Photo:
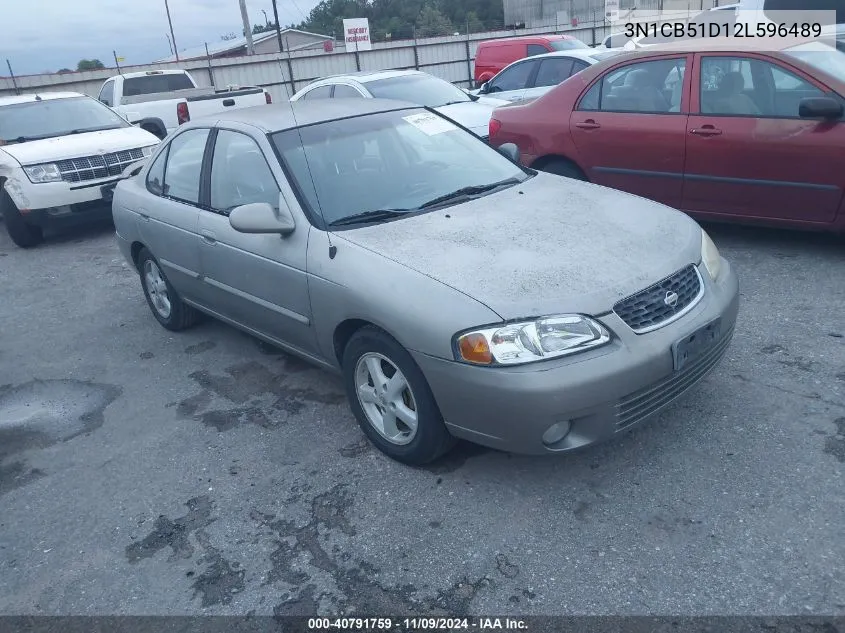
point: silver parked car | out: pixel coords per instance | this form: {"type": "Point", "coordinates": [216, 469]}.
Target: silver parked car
{"type": "Point", "coordinates": [532, 77]}
{"type": "Point", "coordinates": [459, 294]}
{"type": "Point", "coordinates": [471, 111]}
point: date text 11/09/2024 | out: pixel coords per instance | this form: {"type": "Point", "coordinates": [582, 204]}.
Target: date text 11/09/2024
{"type": "Point", "coordinates": [416, 624]}
{"type": "Point", "coordinates": [692, 30]}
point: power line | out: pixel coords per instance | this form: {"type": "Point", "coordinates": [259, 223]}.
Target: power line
{"type": "Point", "coordinates": [301, 12]}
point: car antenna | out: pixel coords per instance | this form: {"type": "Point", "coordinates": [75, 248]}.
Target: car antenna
{"type": "Point", "coordinates": [332, 247]}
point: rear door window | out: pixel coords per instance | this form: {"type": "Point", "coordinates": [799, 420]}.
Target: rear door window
{"type": "Point", "coordinates": [184, 166]}
{"type": "Point", "coordinates": [553, 70]}
{"type": "Point", "coordinates": [536, 49]}
{"type": "Point", "coordinates": [323, 92]}
{"type": "Point", "coordinates": [647, 87]}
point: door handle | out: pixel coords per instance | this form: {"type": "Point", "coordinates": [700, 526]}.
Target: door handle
{"type": "Point", "coordinates": [589, 124]}
{"type": "Point", "coordinates": [228, 102]}
{"type": "Point", "coordinates": [706, 130]}
{"type": "Point", "coordinates": [208, 237]}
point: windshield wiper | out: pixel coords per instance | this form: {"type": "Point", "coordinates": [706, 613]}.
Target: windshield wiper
{"type": "Point", "coordinates": [370, 216]}
{"type": "Point", "coordinates": [468, 192]}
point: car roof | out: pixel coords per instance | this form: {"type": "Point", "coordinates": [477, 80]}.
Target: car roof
{"type": "Point", "coordinates": [290, 115]}
{"type": "Point", "coordinates": [44, 96]}
{"type": "Point", "coordinates": [586, 54]}
{"type": "Point", "coordinates": [525, 38]}
{"type": "Point", "coordinates": [366, 76]}
{"type": "Point", "coordinates": [715, 45]}
{"type": "Point", "coordinates": [152, 73]}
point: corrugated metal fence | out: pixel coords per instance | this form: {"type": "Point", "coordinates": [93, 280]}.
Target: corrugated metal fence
{"type": "Point", "coordinates": [282, 74]}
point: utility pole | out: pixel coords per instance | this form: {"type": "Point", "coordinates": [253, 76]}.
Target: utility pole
{"type": "Point", "coordinates": [250, 47]}
{"type": "Point", "coordinates": [172, 36]}
{"type": "Point", "coordinates": [278, 28]}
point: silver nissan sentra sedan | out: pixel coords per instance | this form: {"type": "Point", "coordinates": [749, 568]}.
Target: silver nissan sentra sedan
{"type": "Point", "coordinates": [459, 294]}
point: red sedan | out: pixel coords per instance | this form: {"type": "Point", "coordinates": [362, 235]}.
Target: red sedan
{"type": "Point", "coordinates": [734, 135]}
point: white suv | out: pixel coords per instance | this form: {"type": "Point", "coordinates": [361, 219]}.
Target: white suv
{"type": "Point", "coordinates": [61, 155]}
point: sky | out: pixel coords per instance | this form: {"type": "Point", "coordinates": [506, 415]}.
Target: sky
{"type": "Point", "coordinates": [46, 35]}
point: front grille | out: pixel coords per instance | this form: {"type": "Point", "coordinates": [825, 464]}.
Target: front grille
{"type": "Point", "coordinates": [649, 308]}
{"type": "Point", "coordinates": [645, 402]}
{"type": "Point", "coordinates": [96, 167]}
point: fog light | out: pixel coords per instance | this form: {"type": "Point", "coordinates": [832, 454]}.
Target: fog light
{"type": "Point", "coordinates": [556, 432]}
{"type": "Point", "coordinates": [63, 210]}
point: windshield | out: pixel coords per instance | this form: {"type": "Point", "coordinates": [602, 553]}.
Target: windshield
{"type": "Point", "coordinates": [821, 57]}
{"type": "Point", "coordinates": [422, 89]}
{"type": "Point", "coordinates": [568, 44]}
{"type": "Point", "coordinates": [21, 122]}
{"type": "Point", "coordinates": [390, 160]}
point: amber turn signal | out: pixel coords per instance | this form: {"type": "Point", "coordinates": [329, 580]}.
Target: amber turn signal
{"type": "Point", "coordinates": [474, 349]}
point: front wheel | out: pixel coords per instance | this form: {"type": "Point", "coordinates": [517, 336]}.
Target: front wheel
{"type": "Point", "coordinates": [165, 303]}
{"type": "Point", "coordinates": [564, 168]}
{"type": "Point", "coordinates": [23, 234]}
{"type": "Point", "coordinates": [391, 399]}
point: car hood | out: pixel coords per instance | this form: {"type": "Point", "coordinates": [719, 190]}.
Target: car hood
{"type": "Point", "coordinates": [550, 245]}
{"type": "Point", "coordinates": [474, 115]}
{"type": "Point", "coordinates": [79, 145]}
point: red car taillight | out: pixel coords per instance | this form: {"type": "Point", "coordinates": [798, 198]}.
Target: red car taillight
{"type": "Point", "coordinates": [268, 98]}
{"type": "Point", "coordinates": [182, 114]}
{"type": "Point", "coordinates": [495, 126]}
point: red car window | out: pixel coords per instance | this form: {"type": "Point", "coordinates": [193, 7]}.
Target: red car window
{"type": "Point", "coordinates": [645, 87]}
{"type": "Point", "coordinates": [745, 86]}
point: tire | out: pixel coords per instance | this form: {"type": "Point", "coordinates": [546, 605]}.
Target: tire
{"type": "Point", "coordinates": [166, 305]}
{"type": "Point", "coordinates": [564, 168]}
{"type": "Point", "coordinates": [430, 440]}
{"type": "Point", "coordinates": [23, 234]}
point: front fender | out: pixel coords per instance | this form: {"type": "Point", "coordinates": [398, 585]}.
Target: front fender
{"type": "Point", "coordinates": [421, 313]}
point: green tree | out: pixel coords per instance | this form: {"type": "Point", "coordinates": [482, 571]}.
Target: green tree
{"type": "Point", "coordinates": [226, 37]}
{"type": "Point", "coordinates": [395, 19]}
{"type": "Point", "coordinates": [89, 64]}
{"type": "Point", "coordinates": [64, 71]}
{"type": "Point", "coordinates": [432, 23]}
{"type": "Point", "coordinates": [474, 23]}
{"type": "Point", "coordinates": [263, 28]}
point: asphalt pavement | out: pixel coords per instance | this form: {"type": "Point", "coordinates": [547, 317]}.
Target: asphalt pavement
{"type": "Point", "coordinates": [147, 472]}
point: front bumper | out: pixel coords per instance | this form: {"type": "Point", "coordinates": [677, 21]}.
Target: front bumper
{"type": "Point", "coordinates": [40, 202]}
{"type": "Point", "coordinates": [598, 393]}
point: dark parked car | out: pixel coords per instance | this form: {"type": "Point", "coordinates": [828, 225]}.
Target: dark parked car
{"type": "Point", "coordinates": [739, 134]}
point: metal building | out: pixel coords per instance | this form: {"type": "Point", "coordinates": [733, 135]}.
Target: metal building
{"type": "Point", "coordinates": [551, 13]}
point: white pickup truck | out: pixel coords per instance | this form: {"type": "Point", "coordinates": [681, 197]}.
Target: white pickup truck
{"type": "Point", "coordinates": [161, 100]}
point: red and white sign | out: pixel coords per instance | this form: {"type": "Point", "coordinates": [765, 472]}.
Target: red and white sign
{"type": "Point", "coordinates": [356, 32]}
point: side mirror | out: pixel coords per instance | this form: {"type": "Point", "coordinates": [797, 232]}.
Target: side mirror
{"type": "Point", "coordinates": [484, 88]}
{"type": "Point", "coordinates": [510, 150]}
{"type": "Point", "coordinates": [820, 108]}
{"type": "Point", "coordinates": [261, 217]}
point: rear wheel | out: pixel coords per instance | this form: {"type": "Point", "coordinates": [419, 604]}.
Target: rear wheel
{"type": "Point", "coordinates": [168, 308]}
{"type": "Point", "coordinates": [562, 167]}
{"type": "Point", "coordinates": [22, 233]}
{"type": "Point", "coordinates": [391, 399]}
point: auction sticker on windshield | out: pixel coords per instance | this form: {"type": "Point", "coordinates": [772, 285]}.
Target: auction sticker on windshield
{"type": "Point", "coordinates": [430, 124]}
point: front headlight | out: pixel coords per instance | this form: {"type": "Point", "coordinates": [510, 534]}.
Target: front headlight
{"type": "Point", "coordinates": [530, 341]}
{"type": "Point", "coordinates": [148, 151]}
{"type": "Point", "coordinates": [48, 172]}
{"type": "Point", "coordinates": [710, 256]}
